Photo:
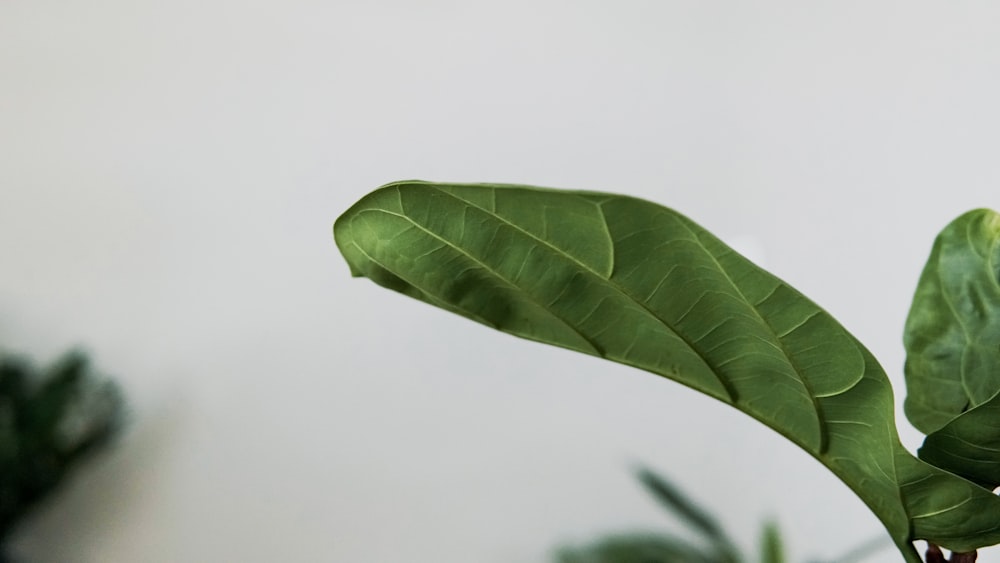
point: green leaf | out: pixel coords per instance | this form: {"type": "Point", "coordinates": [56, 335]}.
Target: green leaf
{"type": "Point", "coordinates": [633, 282]}
{"type": "Point", "coordinates": [698, 518]}
{"type": "Point", "coordinates": [771, 548]}
{"type": "Point", "coordinates": [969, 445]}
{"type": "Point", "coordinates": [952, 333]}
{"type": "Point", "coordinates": [952, 343]}
{"type": "Point", "coordinates": [644, 547]}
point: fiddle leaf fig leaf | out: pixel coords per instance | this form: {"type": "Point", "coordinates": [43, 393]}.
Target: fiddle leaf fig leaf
{"type": "Point", "coordinates": [636, 283]}
{"type": "Point", "coordinates": [952, 343]}
{"type": "Point", "coordinates": [969, 445]}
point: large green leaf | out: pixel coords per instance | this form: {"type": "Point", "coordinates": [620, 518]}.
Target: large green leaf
{"type": "Point", "coordinates": [953, 329]}
{"type": "Point", "coordinates": [633, 282]}
{"type": "Point", "coordinates": [952, 343]}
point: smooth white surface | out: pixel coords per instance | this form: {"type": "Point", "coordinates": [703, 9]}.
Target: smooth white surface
{"type": "Point", "coordinates": [169, 173]}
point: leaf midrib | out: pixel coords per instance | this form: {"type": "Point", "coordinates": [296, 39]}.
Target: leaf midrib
{"type": "Point", "coordinates": [823, 437]}
{"type": "Point", "coordinates": [596, 349]}
{"type": "Point", "coordinates": [726, 386]}
{"type": "Point", "coordinates": [730, 392]}
{"type": "Point", "coordinates": [820, 417]}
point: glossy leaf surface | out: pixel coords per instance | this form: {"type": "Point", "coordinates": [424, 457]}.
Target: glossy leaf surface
{"type": "Point", "coordinates": [633, 282]}
{"type": "Point", "coordinates": [953, 350]}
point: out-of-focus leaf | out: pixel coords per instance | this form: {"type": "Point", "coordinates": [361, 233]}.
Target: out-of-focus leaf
{"type": "Point", "coordinates": [633, 282]}
{"type": "Point", "coordinates": [698, 518]}
{"type": "Point", "coordinates": [638, 548]}
{"type": "Point", "coordinates": [772, 549]}
{"type": "Point", "coordinates": [50, 420]}
{"type": "Point", "coordinates": [712, 545]}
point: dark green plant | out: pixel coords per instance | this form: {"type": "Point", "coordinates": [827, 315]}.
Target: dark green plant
{"type": "Point", "coordinates": [630, 281]}
{"type": "Point", "coordinates": [51, 419]}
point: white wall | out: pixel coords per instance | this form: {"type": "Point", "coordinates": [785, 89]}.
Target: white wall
{"type": "Point", "coordinates": [169, 173]}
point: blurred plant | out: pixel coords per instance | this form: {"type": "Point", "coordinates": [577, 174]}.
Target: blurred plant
{"type": "Point", "coordinates": [710, 544]}
{"type": "Point", "coordinates": [50, 420]}
{"type": "Point", "coordinates": [637, 283]}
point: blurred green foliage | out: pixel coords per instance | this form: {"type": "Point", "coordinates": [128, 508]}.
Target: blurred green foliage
{"type": "Point", "coordinates": [706, 542]}
{"type": "Point", "coordinates": [51, 419]}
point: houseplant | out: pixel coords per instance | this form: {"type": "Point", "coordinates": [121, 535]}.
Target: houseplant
{"type": "Point", "coordinates": [706, 541]}
{"type": "Point", "coordinates": [52, 419]}
{"type": "Point", "coordinates": [636, 283]}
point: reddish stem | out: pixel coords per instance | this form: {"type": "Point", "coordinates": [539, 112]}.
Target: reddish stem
{"type": "Point", "coordinates": [934, 555]}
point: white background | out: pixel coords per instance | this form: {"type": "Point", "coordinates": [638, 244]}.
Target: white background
{"type": "Point", "coordinates": [169, 173]}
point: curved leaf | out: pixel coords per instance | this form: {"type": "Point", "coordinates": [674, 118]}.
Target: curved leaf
{"type": "Point", "coordinates": [969, 445]}
{"type": "Point", "coordinates": [952, 343]}
{"type": "Point", "coordinates": [952, 333]}
{"type": "Point", "coordinates": [636, 283]}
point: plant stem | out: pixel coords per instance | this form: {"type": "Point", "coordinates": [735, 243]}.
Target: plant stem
{"type": "Point", "coordinates": [934, 555]}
